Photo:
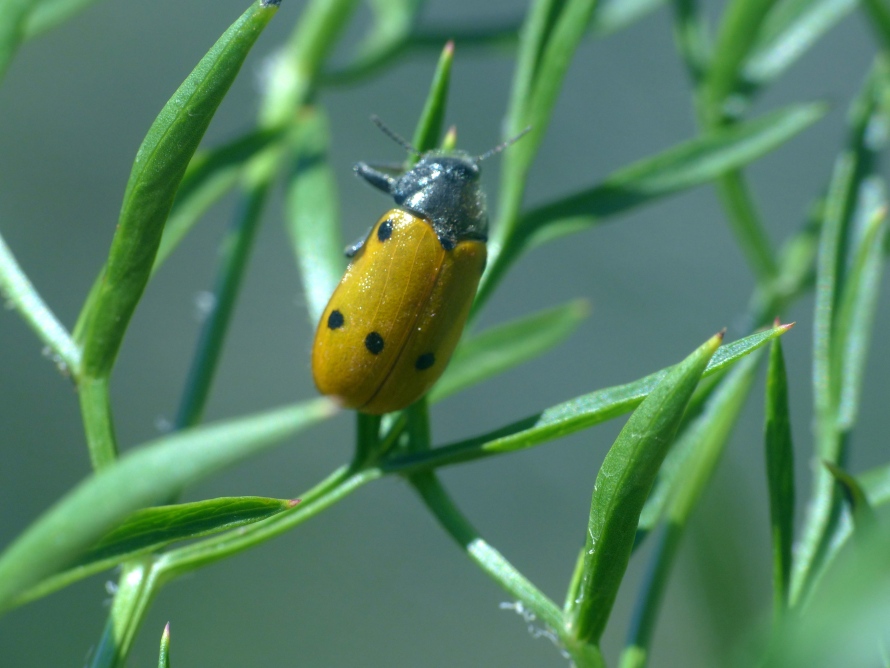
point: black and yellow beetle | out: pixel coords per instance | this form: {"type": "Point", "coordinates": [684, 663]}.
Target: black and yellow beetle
{"type": "Point", "coordinates": [394, 320]}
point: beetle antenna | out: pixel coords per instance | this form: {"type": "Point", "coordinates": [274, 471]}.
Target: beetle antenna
{"type": "Point", "coordinates": [500, 147]}
{"type": "Point", "coordinates": [398, 139]}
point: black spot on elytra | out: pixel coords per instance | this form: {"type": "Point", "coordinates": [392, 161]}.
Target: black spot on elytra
{"type": "Point", "coordinates": [384, 232]}
{"type": "Point", "coordinates": [425, 361]}
{"type": "Point", "coordinates": [374, 343]}
{"type": "Point", "coordinates": [335, 320]}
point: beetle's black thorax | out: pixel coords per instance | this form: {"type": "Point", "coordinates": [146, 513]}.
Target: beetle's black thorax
{"type": "Point", "coordinates": [445, 190]}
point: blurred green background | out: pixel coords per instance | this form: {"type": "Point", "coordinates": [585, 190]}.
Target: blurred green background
{"type": "Point", "coordinates": [373, 581]}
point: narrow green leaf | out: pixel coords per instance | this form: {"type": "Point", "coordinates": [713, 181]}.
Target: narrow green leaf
{"type": "Point", "coordinates": [779, 475]}
{"type": "Point", "coordinates": [535, 31]}
{"type": "Point", "coordinates": [157, 171]}
{"type": "Point", "coordinates": [736, 36]}
{"type": "Point", "coordinates": [852, 168]}
{"type": "Point", "coordinates": [500, 348]}
{"type": "Point", "coordinates": [432, 118]}
{"type": "Point", "coordinates": [392, 34]}
{"type": "Point", "coordinates": [787, 33]}
{"type": "Point", "coordinates": [564, 27]}
{"type": "Point", "coordinates": [13, 14]}
{"type": "Point", "coordinates": [145, 476]}
{"type": "Point", "coordinates": [856, 310]}
{"type": "Point", "coordinates": [705, 440]}
{"type": "Point", "coordinates": [164, 655]}
{"type": "Point", "coordinates": [550, 35]}
{"type": "Point", "coordinates": [621, 488]}
{"type": "Point", "coordinates": [334, 488]}
{"type": "Point", "coordinates": [312, 215]}
{"type": "Point", "coordinates": [210, 175]}
{"type": "Point", "coordinates": [151, 529]}
{"type": "Point", "coordinates": [690, 164]}
{"type": "Point", "coordinates": [571, 416]}
{"type": "Point", "coordinates": [671, 473]}
{"type": "Point", "coordinates": [863, 514]}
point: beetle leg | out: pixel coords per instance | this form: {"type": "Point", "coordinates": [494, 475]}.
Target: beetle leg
{"type": "Point", "coordinates": [352, 250]}
{"type": "Point", "coordinates": [375, 177]}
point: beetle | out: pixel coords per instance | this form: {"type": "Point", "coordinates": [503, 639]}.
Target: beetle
{"type": "Point", "coordinates": [393, 322]}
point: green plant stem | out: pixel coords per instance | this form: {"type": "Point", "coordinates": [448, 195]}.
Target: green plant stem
{"type": "Point", "coordinates": [140, 582]}
{"type": "Point", "coordinates": [636, 654]}
{"type": "Point", "coordinates": [232, 266]}
{"type": "Point", "coordinates": [291, 83]}
{"type": "Point", "coordinates": [486, 557]}
{"type": "Point", "coordinates": [367, 442]}
{"type": "Point", "coordinates": [465, 535]}
{"type": "Point", "coordinates": [691, 39]}
{"type": "Point", "coordinates": [739, 29]}
{"type": "Point", "coordinates": [95, 408]}
{"type": "Point", "coordinates": [136, 589]}
{"type": "Point", "coordinates": [714, 81]}
{"type": "Point", "coordinates": [20, 294]}
{"type": "Point", "coordinates": [747, 226]}
{"type": "Point", "coordinates": [879, 18]}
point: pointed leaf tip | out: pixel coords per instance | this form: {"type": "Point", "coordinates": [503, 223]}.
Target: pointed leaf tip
{"type": "Point", "coordinates": [164, 655]}
{"type": "Point", "coordinates": [449, 48]}
{"type": "Point", "coordinates": [293, 503]}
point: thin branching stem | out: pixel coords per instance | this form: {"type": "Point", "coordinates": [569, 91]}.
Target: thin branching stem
{"type": "Point", "coordinates": [21, 295]}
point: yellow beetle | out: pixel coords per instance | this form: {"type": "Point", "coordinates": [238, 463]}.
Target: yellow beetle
{"type": "Point", "coordinates": [394, 320]}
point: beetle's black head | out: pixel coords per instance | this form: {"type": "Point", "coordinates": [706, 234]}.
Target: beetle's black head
{"type": "Point", "coordinates": [445, 189]}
